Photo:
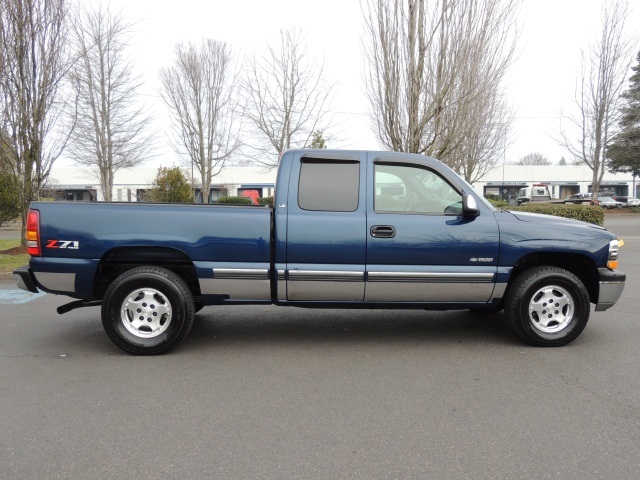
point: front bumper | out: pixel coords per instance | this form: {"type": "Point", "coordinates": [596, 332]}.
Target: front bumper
{"type": "Point", "coordinates": [24, 279]}
{"type": "Point", "coordinates": [611, 286]}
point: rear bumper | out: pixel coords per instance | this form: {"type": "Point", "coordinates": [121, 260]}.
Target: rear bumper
{"type": "Point", "coordinates": [611, 286]}
{"type": "Point", "coordinates": [24, 279]}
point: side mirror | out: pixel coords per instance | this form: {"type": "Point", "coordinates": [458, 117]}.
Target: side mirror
{"type": "Point", "coordinates": [469, 206]}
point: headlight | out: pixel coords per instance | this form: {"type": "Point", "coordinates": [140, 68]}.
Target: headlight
{"type": "Point", "coordinates": [614, 246]}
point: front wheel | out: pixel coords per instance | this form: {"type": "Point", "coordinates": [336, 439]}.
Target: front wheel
{"type": "Point", "coordinates": [547, 306]}
{"type": "Point", "coordinates": [147, 310]}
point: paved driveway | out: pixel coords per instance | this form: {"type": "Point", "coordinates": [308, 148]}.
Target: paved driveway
{"type": "Point", "coordinates": [267, 392]}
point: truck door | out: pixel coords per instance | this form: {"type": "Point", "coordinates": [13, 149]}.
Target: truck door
{"type": "Point", "coordinates": [326, 228]}
{"type": "Point", "coordinates": [419, 247]}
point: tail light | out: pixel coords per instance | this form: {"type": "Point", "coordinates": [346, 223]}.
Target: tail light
{"type": "Point", "coordinates": [33, 233]}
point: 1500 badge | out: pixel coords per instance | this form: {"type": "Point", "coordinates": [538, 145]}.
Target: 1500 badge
{"type": "Point", "coordinates": [70, 244]}
{"type": "Point", "coordinates": [481, 259]}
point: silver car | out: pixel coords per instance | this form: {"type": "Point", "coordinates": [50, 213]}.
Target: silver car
{"type": "Point", "coordinates": [633, 202]}
{"type": "Point", "coordinates": [608, 202]}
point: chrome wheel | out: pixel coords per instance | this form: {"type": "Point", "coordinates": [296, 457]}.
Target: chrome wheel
{"type": "Point", "coordinates": [547, 306]}
{"type": "Point", "coordinates": [146, 313]}
{"type": "Point", "coordinates": [551, 309]}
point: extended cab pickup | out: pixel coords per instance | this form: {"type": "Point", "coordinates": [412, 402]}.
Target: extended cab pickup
{"type": "Point", "coordinates": [348, 229]}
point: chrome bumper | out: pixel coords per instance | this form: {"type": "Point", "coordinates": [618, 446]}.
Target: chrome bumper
{"type": "Point", "coordinates": [611, 286]}
{"type": "Point", "coordinates": [24, 280]}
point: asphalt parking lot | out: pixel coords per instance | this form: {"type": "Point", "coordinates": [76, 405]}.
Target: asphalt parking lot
{"type": "Point", "coordinates": [268, 392]}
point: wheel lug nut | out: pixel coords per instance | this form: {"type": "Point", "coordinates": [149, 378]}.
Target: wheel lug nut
{"type": "Point", "coordinates": [139, 310]}
{"type": "Point", "coordinates": [141, 317]}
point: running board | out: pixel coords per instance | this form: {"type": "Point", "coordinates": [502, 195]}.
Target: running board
{"type": "Point", "coordinates": [78, 304]}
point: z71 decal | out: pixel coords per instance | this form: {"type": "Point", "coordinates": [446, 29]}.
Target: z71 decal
{"type": "Point", "coordinates": [69, 244]}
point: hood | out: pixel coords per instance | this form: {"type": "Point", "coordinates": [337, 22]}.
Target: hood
{"type": "Point", "coordinates": [552, 220]}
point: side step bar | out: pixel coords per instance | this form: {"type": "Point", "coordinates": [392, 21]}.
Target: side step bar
{"type": "Point", "coordinates": [78, 304]}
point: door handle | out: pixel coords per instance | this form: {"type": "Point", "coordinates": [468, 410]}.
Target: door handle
{"type": "Point", "coordinates": [383, 231]}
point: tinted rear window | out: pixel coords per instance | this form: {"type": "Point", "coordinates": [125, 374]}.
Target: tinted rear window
{"type": "Point", "coordinates": [329, 185]}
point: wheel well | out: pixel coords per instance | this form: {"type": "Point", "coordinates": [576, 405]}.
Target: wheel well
{"type": "Point", "coordinates": [581, 266]}
{"type": "Point", "coordinates": [119, 260]}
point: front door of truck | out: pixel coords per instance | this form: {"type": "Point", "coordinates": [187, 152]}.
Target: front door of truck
{"type": "Point", "coordinates": [419, 247]}
{"type": "Point", "coordinates": [326, 229]}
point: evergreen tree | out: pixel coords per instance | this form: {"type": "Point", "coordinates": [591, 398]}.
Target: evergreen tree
{"type": "Point", "coordinates": [318, 140]}
{"type": "Point", "coordinates": [9, 188]}
{"type": "Point", "coordinates": [170, 185]}
{"type": "Point", "coordinates": [624, 151]}
{"type": "Point", "coordinates": [9, 197]}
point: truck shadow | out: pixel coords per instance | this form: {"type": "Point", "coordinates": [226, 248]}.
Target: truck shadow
{"type": "Point", "coordinates": [258, 325]}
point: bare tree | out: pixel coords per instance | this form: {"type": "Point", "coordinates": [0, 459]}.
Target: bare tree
{"type": "Point", "coordinates": [435, 74]}
{"type": "Point", "coordinates": [33, 40]}
{"type": "Point", "coordinates": [200, 90]}
{"type": "Point", "coordinates": [534, 158]}
{"type": "Point", "coordinates": [603, 71]}
{"type": "Point", "coordinates": [287, 100]}
{"type": "Point", "coordinates": [112, 129]}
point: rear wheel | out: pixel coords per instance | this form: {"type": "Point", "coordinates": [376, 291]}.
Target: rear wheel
{"type": "Point", "coordinates": [547, 306]}
{"type": "Point", "coordinates": [147, 310]}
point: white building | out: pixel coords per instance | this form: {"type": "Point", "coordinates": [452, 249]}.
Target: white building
{"type": "Point", "coordinates": [68, 183]}
{"type": "Point", "coordinates": [563, 181]}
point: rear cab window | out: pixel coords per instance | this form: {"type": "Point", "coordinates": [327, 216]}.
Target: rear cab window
{"type": "Point", "coordinates": [328, 185]}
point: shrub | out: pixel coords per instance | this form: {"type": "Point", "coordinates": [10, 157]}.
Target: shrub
{"type": "Point", "coordinates": [586, 213]}
{"type": "Point", "coordinates": [266, 201]}
{"type": "Point", "coordinates": [234, 200]}
{"type": "Point", "coordinates": [498, 203]}
{"type": "Point", "coordinates": [170, 185]}
{"type": "Point", "coordinates": [9, 198]}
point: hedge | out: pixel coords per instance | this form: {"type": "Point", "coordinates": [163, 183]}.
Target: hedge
{"type": "Point", "coordinates": [244, 201]}
{"type": "Point", "coordinates": [234, 200]}
{"type": "Point", "coordinates": [586, 213]}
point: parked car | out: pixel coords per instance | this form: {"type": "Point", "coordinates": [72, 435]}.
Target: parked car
{"type": "Point", "coordinates": [581, 199]}
{"type": "Point", "coordinates": [633, 202]}
{"type": "Point", "coordinates": [609, 203]}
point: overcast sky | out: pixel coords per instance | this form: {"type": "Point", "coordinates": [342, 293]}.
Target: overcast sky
{"type": "Point", "coordinates": [540, 84]}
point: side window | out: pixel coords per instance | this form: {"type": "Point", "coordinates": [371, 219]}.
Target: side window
{"type": "Point", "coordinates": [411, 189]}
{"type": "Point", "coordinates": [329, 185]}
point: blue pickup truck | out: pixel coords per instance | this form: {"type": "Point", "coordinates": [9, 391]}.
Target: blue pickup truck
{"type": "Point", "coordinates": [348, 229]}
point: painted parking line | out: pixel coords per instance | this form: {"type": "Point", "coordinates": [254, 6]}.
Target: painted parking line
{"type": "Point", "coordinates": [17, 296]}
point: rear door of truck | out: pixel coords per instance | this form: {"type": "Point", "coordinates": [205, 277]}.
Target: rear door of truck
{"type": "Point", "coordinates": [326, 227]}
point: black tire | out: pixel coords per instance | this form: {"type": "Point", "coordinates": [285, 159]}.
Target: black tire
{"type": "Point", "coordinates": [540, 322]}
{"type": "Point", "coordinates": [162, 304]}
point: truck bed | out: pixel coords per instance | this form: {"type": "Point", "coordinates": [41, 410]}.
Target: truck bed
{"type": "Point", "coordinates": [211, 236]}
